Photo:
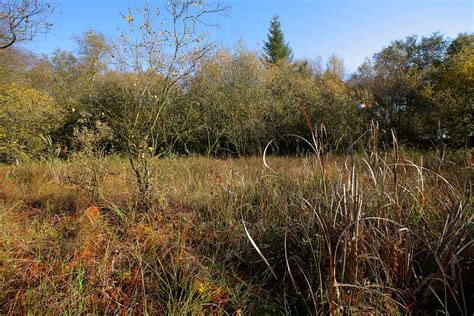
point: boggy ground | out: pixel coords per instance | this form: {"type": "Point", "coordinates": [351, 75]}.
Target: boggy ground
{"type": "Point", "coordinates": [388, 233]}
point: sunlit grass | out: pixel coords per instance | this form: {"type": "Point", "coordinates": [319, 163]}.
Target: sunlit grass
{"type": "Point", "coordinates": [389, 233]}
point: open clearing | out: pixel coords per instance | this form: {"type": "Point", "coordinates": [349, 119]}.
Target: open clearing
{"type": "Point", "coordinates": [386, 233]}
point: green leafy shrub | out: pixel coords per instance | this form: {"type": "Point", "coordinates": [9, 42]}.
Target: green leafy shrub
{"type": "Point", "coordinates": [27, 117]}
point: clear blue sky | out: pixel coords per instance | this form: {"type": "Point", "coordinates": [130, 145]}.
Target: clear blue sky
{"type": "Point", "coordinates": [352, 29]}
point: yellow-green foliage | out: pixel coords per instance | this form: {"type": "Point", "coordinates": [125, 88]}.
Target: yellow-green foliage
{"type": "Point", "coordinates": [27, 117]}
{"type": "Point", "coordinates": [239, 103]}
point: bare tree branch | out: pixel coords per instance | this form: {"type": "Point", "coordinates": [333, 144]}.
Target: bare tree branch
{"type": "Point", "coordinates": [22, 20]}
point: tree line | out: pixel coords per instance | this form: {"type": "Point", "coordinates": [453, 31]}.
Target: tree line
{"type": "Point", "coordinates": [137, 98]}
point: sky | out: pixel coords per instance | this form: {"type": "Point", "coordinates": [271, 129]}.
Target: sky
{"type": "Point", "coordinates": [351, 29]}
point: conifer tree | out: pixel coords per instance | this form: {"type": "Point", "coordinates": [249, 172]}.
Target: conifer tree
{"type": "Point", "coordinates": [276, 50]}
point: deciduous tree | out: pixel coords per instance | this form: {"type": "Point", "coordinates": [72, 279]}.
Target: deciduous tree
{"type": "Point", "coordinates": [157, 47]}
{"type": "Point", "coordinates": [22, 20]}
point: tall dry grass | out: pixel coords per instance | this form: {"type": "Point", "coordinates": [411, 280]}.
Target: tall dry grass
{"type": "Point", "coordinates": [368, 232]}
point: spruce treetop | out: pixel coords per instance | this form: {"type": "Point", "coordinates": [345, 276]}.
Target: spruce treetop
{"type": "Point", "coordinates": [276, 50]}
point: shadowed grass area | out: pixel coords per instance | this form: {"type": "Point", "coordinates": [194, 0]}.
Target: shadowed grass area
{"type": "Point", "coordinates": [387, 233]}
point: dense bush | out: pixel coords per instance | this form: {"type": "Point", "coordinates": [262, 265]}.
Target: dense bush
{"type": "Point", "coordinates": [27, 119]}
{"type": "Point", "coordinates": [422, 87]}
{"type": "Point", "coordinates": [235, 102]}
